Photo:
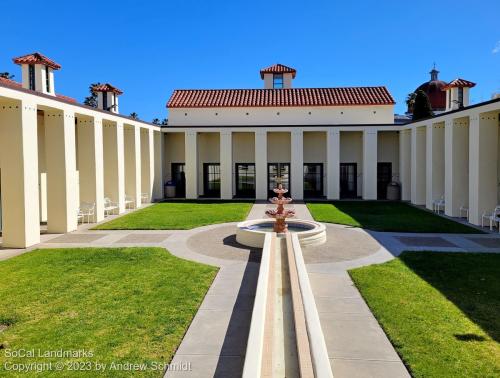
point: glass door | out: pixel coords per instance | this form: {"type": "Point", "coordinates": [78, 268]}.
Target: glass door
{"type": "Point", "coordinates": [245, 180]}
{"type": "Point", "coordinates": [179, 179]}
{"type": "Point", "coordinates": [313, 180]}
{"type": "Point", "coordinates": [384, 177]}
{"type": "Point", "coordinates": [348, 180]}
{"type": "Point", "coordinates": [275, 170]}
{"type": "Point", "coordinates": [211, 179]}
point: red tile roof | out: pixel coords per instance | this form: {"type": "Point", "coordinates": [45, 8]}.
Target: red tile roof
{"type": "Point", "coordinates": [36, 58]}
{"type": "Point", "coordinates": [106, 88]}
{"type": "Point", "coordinates": [278, 68]}
{"type": "Point", "coordinates": [9, 82]}
{"type": "Point", "coordinates": [213, 98]}
{"type": "Point", "coordinates": [66, 98]}
{"type": "Point", "coordinates": [459, 83]}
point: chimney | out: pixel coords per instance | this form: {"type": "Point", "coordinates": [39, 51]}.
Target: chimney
{"type": "Point", "coordinates": [38, 72]}
{"type": "Point", "coordinates": [107, 97]}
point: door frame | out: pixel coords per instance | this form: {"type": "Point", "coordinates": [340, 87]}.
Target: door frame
{"type": "Point", "coordinates": [384, 163]}
{"type": "Point", "coordinates": [206, 192]}
{"type": "Point", "coordinates": [250, 194]}
{"type": "Point", "coordinates": [172, 165]}
{"type": "Point", "coordinates": [270, 192]}
{"type": "Point", "coordinates": [315, 194]}
{"type": "Point", "coordinates": [350, 194]}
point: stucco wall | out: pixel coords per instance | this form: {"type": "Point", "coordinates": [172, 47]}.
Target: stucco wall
{"type": "Point", "coordinates": [173, 150]}
{"type": "Point", "coordinates": [351, 151]}
{"type": "Point", "coordinates": [314, 147]}
{"type": "Point", "coordinates": [388, 149]}
{"type": "Point", "coordinates": [278, 147]}
{"type": "Point", "coordinates": [323, 115]}
{"type": "Point", "coordinates": [208, 152]}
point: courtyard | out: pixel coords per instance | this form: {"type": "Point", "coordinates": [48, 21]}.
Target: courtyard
{"type": "Point", "coordinates": [186, 290]}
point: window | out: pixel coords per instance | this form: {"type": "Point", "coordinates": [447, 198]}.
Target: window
{"type": "Point", "coordinates": [245, 180]}
{"type": "Point", "coordinates": [278, 81]}
{"type": "Point", "coordinates": [211, 173]}
{"type": "Point", "coordinates": [31, 76]}
{"type": "Point", "coordinates": [313, 179]}
{"type": "Point", "coordinates": [460, 97]}
{"type": "Point", "coordinates": [105, 100]}
{"type": "Point", "coordinates": [47, 79]}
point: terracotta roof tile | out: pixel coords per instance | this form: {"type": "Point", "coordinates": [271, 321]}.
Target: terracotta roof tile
{"type": "Point", "coordinates": [214, 98]}
{"type": "Point", "coordinates": [278, 68]}
{"type": "Point", "coordinates": [106, 88]}
{"type": "Point", "coordinates": [66, 98]}
{"type": "Point", "coordinates": [9, 82]}
{"type": "Point", "coordinates": [459, 83]}
{"type": "Point", "coordinates": [36, 58]}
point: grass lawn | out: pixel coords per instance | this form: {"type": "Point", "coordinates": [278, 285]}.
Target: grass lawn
{"type": "Point", "coordinates": [440, 310]}
{"type": "Point", "coordinates": [180, 216]}
{"type": "Point", "coordinates": [385, 216]}
{"type": "Point", "coordinates": [122, 304]}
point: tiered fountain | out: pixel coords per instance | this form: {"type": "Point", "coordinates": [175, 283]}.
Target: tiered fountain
{"type": "Point", "coordinates": [253, 232]}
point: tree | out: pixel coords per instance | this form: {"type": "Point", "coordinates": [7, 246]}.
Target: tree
{"type": "Point", "coordinates": [156, 121]}
{"type": "Point", "coordinates": [410, 101]}
{"type": "Point", "coordinates": [164, 122]}
{"type": "Point", "coordinates": [92, 99]}
{"type": "Point", "coordinates": [422, 106]}
{"type": "Point", "coordinates": [6, 75]}
{"type": "Point", "coordinates": [134, 115]}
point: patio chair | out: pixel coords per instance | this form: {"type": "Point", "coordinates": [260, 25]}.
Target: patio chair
{"type": "Point", "coordinates": [109, 206]}
{"type": "Point", "coordinates": [79, 216]}
{"type": "Point", "coordinates": [87, 210]}
{"type": "Point", "coordinates": [464, 209]}
{"type": "Point", "coordinates": [129, 202]}
{"type": "Point", "coordinates": [144, 197]}
{"type": "Point", "coordinates": [437, 205]}
{"type": "Point", "coordinates": [493, 217]}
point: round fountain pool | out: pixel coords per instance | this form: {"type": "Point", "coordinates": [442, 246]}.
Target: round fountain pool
{"type": "Point", "coordinates": [253, 232]}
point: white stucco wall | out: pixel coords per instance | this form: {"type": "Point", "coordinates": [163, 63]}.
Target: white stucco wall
{"type": "Point", "coordinates": [174, 152]}
{"type": "Point", "coordinates": [322, 115]}
{"type": "Point", "coordinates": [208, 152]}
{"type": "Point", "coordinates": [278, 147]}
{"type": "Point", "coordinates": [388, 149]}
{"type": "Point", "coordinates": [351, 151]}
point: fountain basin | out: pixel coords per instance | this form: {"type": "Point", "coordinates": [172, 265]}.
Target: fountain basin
{"type": "Point", "coordinates": [253, 232]}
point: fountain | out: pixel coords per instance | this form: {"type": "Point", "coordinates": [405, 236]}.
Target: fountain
{"type": "Point", "coordinates": [252, 232]}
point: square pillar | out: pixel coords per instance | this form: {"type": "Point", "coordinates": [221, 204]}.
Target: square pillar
{"type": "Point", "coordinates": [226, 165]}
{"type": "Point", "coordinates": [405, 164]}
{"type": "Point", "coordinates": [370, 164]}
{"type": "Point", "coordinates": [418, 186]}
{"type": "Point", "coordinates": [456, 150]}
{"type": "Point", "coordinates": [133, 163]}
{"type": "Point", "coordinates": [297, 164]}
{"type": "Point", "coordinates": [261, 165]}
{"type": "Point", "coordinates": [434, 168]}
{"type": "Point", "coordinates": [333, 164]}
{"type": "Point", "coordinates": [60, 158]}
{"type": "Point", "coordinates": [114, 164]}
{"type": "Point", "coordinates": [158, 159]}
{"type": "Point", "coordinates": [19, 170]}
{"type": "Point", "coordinates": [483, 165]}
{"type": "Point", "coordinates": [191, 164]}
{"type": "Point", "coordinates": [147, 161]}
{"type": "Point", "coordinates": [91, 165]}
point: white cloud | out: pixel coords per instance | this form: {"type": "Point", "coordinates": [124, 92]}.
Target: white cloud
{"type": "Point", "coordinates": [496, 49]}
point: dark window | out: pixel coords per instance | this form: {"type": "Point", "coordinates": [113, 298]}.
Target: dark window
{"type": "Point", "coordinates": [460, 97]}
{"type": "Point", "coordinates": [277, 171]}
{"type": "Point", "coordinates": [31, 76]}
{"type": "Point", "coordinates": [313, 180]}
{"type": "Point", "coordinates": [211, 179]}
{"type": "Point", "coordinates": [245, 180]}
{"type": "Point", "coordinates": [47, 79]}
{"type": "Point", "coordinates": [278, 81]}
{"type": "Point", "coordinates": [348, 180]}
{"type": "Point", "coordinates": [114, 101]}
{"type": "Point", "coordinates": [384, 177]}
{"type": "Point", "coordinates": [105, 100]}
{"type": "Point", "coordinates": [179, 179]}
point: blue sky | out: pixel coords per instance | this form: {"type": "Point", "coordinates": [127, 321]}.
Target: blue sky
{"type": "Point", "coordinates": [149, 48]}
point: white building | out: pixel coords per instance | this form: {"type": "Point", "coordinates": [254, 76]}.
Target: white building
{"type": "Point", "coordinates": [327, 143]}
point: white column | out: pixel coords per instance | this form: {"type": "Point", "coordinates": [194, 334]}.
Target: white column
{"type": "Point", "coordinates": [60, 152]}
{"type": "Point", "coordinates": [261, 164]}
{"type": "Point", "coordinates": [370, 164]}
{"type": "Point", "coordinates": [226, 165]}
{"type": "Point", "coordinates": [114, 164]}
{"type": "Point", "coordinates": [91, 165]}
{"type": "Point", "coordinates": [133, 163]}
{"type": "Point", "coordinates": [333, 163]}
{"type": "Point", "coordinates": [297, 164]}
{"type": "Point", "coordinates": [191, 167]}
{"type": "Point", "coordinates": [418, 165]}
{"type": "Point", "coordinates": [483, 165]}
{"type": "Point", "coordinates": [19, 149]}
{"type": "Point", "coordinates": [158, 166]}
{"type": "Point", "coordinates": [405, 164]}
{"type": "Point", "coordinates": [434, 168]}
{"type": "Point", "coordinates": [148, 164]}
{"type": "Point", "coordinates": [457, 165]}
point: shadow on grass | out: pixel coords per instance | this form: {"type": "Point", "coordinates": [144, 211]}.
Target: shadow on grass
{"type": "Point", "coordinates": [470, 281]}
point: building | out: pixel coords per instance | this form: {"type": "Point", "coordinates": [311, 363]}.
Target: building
{"type": "Point", "coordinates": [326, 143]}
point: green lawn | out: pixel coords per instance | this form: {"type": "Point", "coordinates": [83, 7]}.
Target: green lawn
{"type": "Point", "coordinates": [385, 216]}
{"type": "Point", "coordinates": [180, 216]}
{"type": "Point", "coordinates": [122, 304]}
{"type": "Point", "coordinates": [440, 310]}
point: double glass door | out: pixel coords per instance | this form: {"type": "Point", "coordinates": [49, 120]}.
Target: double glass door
{"type": "Point", "coordinates": [211, 180]}
{"type": "Point", "coordinates": [245, 180]}
{"type": "Point", "coordinates": [348, 180]}
{"type": "Point", "coordinates": [275, 171]}
{"type": "Point", "coordinates": [313, 180]}
{"type": "Point", "coordinates": [179, 179]}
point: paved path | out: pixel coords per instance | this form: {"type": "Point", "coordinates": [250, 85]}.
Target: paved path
{"type": "Point", "coordinates": [215, 342]}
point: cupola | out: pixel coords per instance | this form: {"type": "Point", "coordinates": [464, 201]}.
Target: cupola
{"type": "Point", "coordinates": [277, 76]}
{"type": "Point", "coordinates": [38, 72]}
{"type": "Point", "coordinates": [457, 93]}
{"type": "Point", "coordinates": [107, 97]}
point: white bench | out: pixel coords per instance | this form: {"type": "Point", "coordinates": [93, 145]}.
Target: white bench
{"type": "Point", "coordinates": [109, 206]}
